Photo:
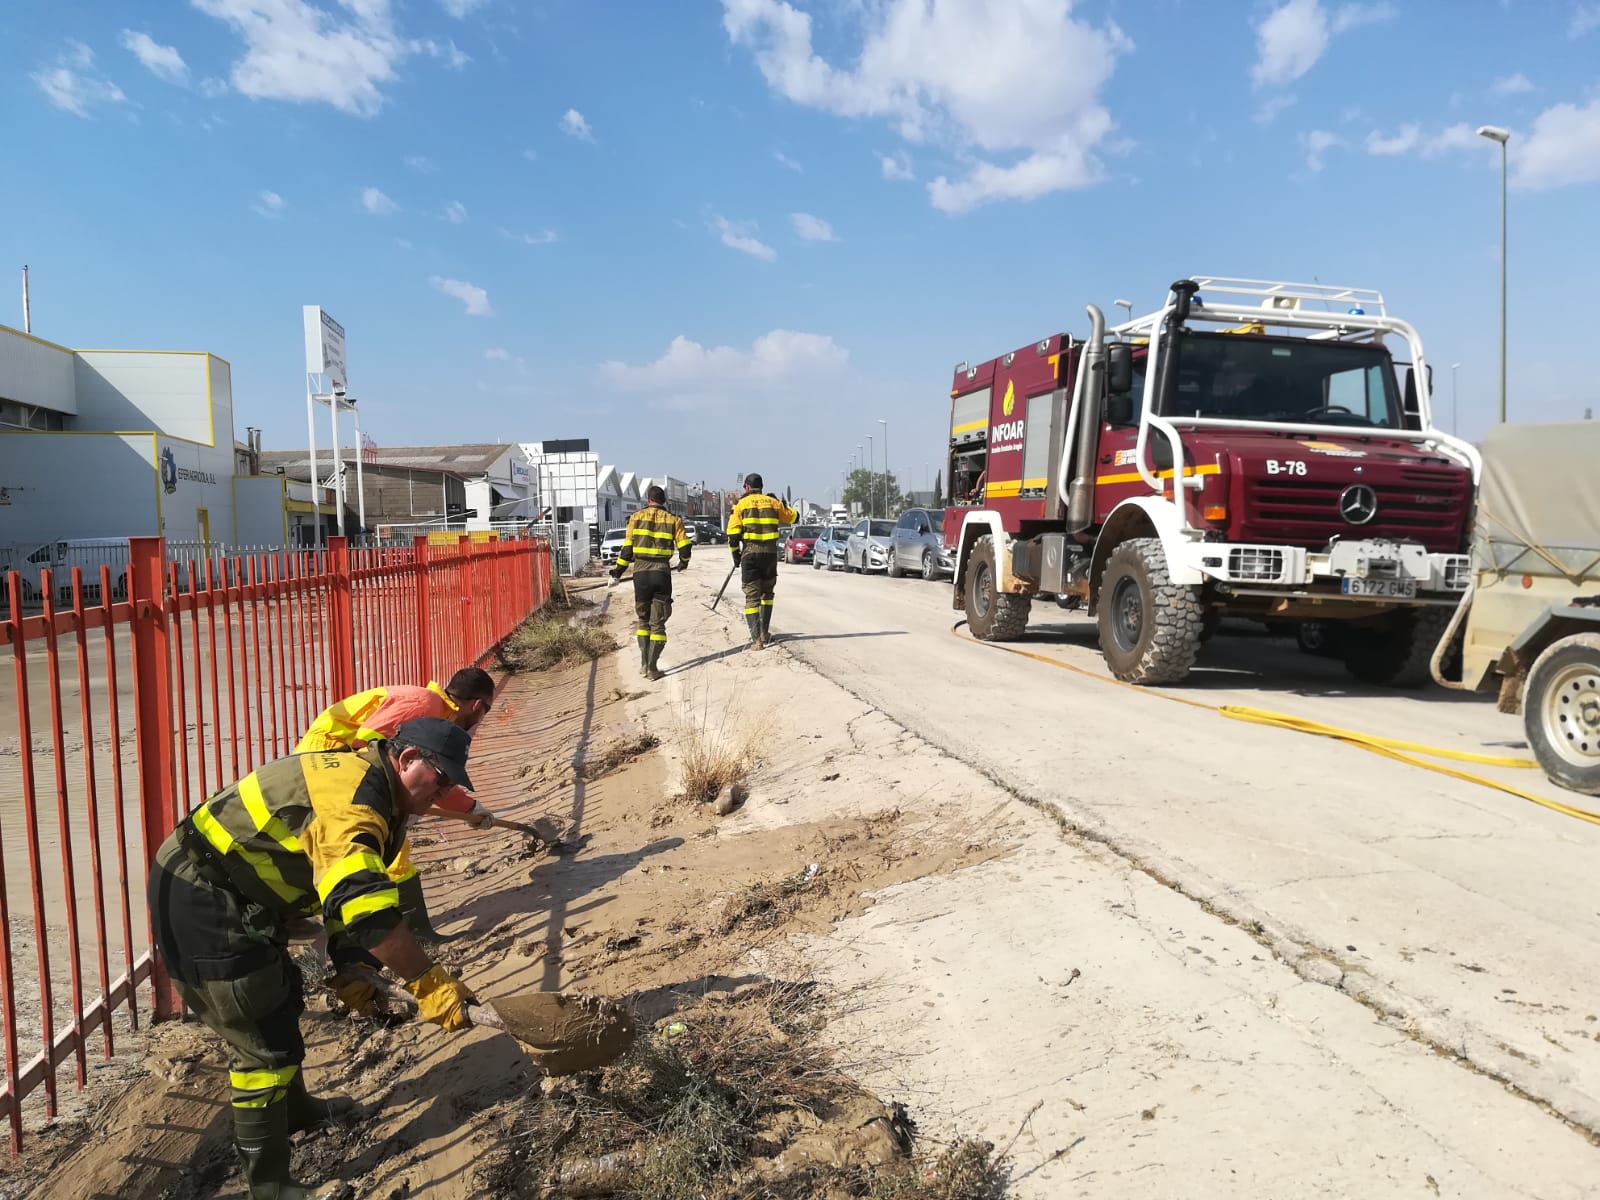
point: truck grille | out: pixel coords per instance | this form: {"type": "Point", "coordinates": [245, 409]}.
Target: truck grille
{"type": "Point", "coordinates": [1422, 506]}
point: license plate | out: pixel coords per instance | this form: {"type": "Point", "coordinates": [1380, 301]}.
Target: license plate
{"type": "Point", "coordinates": [1395, 589]}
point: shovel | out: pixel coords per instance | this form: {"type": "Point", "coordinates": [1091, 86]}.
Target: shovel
{"type": "Point", "coordinates": [724, 587]}
{"type": "Point", "coordinates": [548, 834]}
{"type": "Point", "coordinates": [563, 1032]}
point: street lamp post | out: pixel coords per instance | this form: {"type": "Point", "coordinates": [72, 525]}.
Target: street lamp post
{"type": "Point", "coordinates": [1495, 134]}
{"type": "Point", "coordinates": [872, 469]}
{"type": "Point", "coordinates": [885, 425]}
{"type": "Point", "coordinates": [1455, 408]}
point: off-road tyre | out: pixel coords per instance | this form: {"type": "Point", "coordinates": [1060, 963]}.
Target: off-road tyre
{"type": "Point", "coordinates": [930, 565]}
{"type": "Point", "coordinates": [992, 615]}
{"type": "Point", "coordinates": [1561, 712]}
{"type": "Point", "coordinates": [1150, 627]}
{"type": "Point", "coordinates": [1398, 653]}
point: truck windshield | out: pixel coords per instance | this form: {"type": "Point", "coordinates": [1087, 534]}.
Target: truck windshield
{"type": "Point", "coordinates": [1250, 378]}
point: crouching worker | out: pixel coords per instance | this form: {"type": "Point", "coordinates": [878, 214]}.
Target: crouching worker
{"type": "Point", "coordinates": [375, 714]}
{"type": "Point", "coordinates": [303, 836]}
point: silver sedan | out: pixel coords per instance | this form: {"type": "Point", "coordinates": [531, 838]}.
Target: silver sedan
{"type": "Point", "coordinates": [868, 546]}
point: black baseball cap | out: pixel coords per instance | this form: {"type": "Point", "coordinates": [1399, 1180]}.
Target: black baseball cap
{"type": "Point", "coordinates": [445, 742]}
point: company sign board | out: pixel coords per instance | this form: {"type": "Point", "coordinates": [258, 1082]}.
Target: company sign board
{"type": "Point", "coordinates": [324, 346]}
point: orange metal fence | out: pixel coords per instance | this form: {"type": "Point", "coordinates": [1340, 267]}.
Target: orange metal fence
{"type": "Point", "coordinates": [130, 712]}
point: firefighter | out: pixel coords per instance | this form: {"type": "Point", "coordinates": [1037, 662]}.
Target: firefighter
{"type": "Point", "coordinates": [653, 535]}
{"type": "Point", "coordinates": [753, 536]}
{"type": "Point", "coordinates": [303, 836]}
{"type": "Point", "coordinates": [375, 714]}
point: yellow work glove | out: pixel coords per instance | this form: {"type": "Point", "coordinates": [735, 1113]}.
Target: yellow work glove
{"type": "Point", "coordinates": [442, 998]}
{"type": "Point", "coordinates": [356, 993]}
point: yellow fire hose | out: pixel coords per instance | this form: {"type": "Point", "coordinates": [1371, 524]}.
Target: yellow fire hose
{"type": "Point", "coordinates": [1400, 751]}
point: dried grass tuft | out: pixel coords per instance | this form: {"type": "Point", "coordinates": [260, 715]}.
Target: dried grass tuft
{"type": "Point", "coordinates": [550, 640]}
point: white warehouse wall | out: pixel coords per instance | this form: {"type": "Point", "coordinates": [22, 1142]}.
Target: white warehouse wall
{"type": "Point", "coordinates": [184, 394]}
{"type": "Point", "coordinates": [77, 485]}
{"type": "Point", "coordinates": [37, 372]}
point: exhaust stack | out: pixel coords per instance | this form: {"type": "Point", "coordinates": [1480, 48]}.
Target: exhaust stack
{"type": "Point", "coordinates": [1080, 494]}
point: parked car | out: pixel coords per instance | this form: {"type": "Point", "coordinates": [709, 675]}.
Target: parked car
{"type": "Point", "coordinates": [60, 556]}
{"type": "Point", "coordinates": [611, 545]}
{"type": "Point", "coordinates": [918, 545]}
{"type": "Point", "coordinates": [867, 548]}
{"type": "Point", "coordinates": [828, 550]}
{"type": "Point", "coordinates": [801, 540]}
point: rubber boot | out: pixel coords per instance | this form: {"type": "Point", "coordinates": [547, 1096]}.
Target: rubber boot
{"type": "Point", "coordinates": [313, 1112]}
{"type": "Point", "coordinates": [644, 654]}
{"type": "Point", "coordinates": [754, 621]}
{"type": "Point", "coordinates": [262, 1138]}
{"type": "Point", "coordinates": [766, 624]}
{"type": "Point", "coordinates": [414, 908]}
{"type": "Point", "coordinates": [651, 671]}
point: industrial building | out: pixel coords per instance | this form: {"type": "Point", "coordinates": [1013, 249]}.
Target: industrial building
{"type": "Point", "coordinates": [122, 443]}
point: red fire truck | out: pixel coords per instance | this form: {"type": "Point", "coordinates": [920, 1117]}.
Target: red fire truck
{"type": "Point", "coordinates": [1246, 450]}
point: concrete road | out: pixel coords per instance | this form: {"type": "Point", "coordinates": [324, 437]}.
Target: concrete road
{"type": "Point", "coordinates": [1464, 916]}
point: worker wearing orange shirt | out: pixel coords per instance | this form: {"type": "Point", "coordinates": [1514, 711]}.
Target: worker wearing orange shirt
{"type": "Point", "coordinates": [373, 716]}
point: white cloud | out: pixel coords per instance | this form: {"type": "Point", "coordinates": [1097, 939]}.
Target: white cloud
{"type": "Point", "coordinates": [1410, 139]}
{"type": "Point", "coordinates": [376, 202]}
{"type": "Point", "coordinates": [1289, 41]}
{"type": "Point", "coordinates": [471, 295]}
{"type": "Point", "coordinates": [1407, 139]}
{"type": "Point", "coordinates": [1352, 16]}
{"type": "Point", "coordinates": [1512, 85]}
{"type": "Point", "coordinates": [896, 166]}
{"type": "Point", "coordinates": [164, 61]}
{"type": "Point", "coordinates": [915, 70]}
{"type": "Point", "coordinates": [573, 124]}
{"type": "Point", "coordinates": [1585, 20]}
{"type": "Point", "coordinates": [543, 238]}
{"type": "Point", "coordinates": [1271, 108]}
{"type": "Point", "coordinates": [812, 229]}
{"type": "Point", "coordinates": [1562, 149]}
{"type": "Point", "coordinates": [268, 204]}
{"type": "Point", "coordinates": [1292, 37]}
{"type": "Point", "coordinates": [403, 243]}
{"type": "Point", "coordinates": [69, 85]}
{"type": "Point", "coordinates": [740, 236]}
{"type": "Point", "coordinates": [211, 87]}
{"type": "Point", "coordinates": [785, 160]}
{"type": "Point", "coordinates": [690, 374]}
{"type": "Point", "coordinates": [1316, 144]}
{"type": "Point", "coordinates": [460, 8]}
{"type": "Point", "coordinates": [298, 51]}
{"type": "Point", "coordinates": [496, 354]}
{"type": "Point", "coordinates": [455, 212]}
{"type": "Point", "coordinates": [421, 164]}
{"type": "Point", "coordinates": [531, 155]}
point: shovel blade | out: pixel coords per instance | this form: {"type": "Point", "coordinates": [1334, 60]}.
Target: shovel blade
{"type": "Point", "coordinates": [563, 1032]}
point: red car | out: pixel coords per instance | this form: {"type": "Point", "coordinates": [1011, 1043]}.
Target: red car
{"type": "Point", "coordinates": [801, 539]}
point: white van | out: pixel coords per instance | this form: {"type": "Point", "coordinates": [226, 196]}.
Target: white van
{"type": "Point", "coordinates": [60, 556]}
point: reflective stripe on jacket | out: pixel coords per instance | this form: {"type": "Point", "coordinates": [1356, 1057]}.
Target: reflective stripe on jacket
{"type": "Point", "coordinates": [373, 715]}
{"type": "Point", "coordinates": [316, 830]}
{"type": "Point", "coordinates": [755, 521]}
{"type": "Point", "coordinates": [653, 535]}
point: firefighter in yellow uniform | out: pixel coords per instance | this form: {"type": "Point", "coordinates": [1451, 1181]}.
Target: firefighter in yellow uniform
{"type": "Point", "coordinates": [375, 714]}
{"type": "Point", "coordinates": [753, 535]}
{"type": "Point", "coordinates": [300, 837]}
{"type": "Point", "coordinates": [653, 536]}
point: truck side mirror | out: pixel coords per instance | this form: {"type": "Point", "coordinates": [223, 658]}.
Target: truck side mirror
{"type": "Point", "coordinates": [1119, 369]}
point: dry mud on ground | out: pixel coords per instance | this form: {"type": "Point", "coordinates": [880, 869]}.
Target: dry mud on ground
{"type": "Point", "coordinates": [648, 896]}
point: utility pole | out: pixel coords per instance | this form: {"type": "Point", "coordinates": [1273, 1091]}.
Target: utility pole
{"type": "Point", "coordinates": [1495, 134]}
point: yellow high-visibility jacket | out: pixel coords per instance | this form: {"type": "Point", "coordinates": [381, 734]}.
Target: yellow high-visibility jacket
{"type": "Point", "coordinates": [753, 524]}
{"type": "Point", "coordinates": [653, 535]}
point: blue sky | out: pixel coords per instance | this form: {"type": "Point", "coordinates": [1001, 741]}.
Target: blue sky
{"type": "Point", "coordinates": [723, 236]}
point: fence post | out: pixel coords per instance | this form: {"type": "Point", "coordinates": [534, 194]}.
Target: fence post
{"type": "Point", "coordinates": [152, 723]}
{"type": "Point", "coordinates": [341, 619]}
{"type": "Point", "coordinates": [419, 547]}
